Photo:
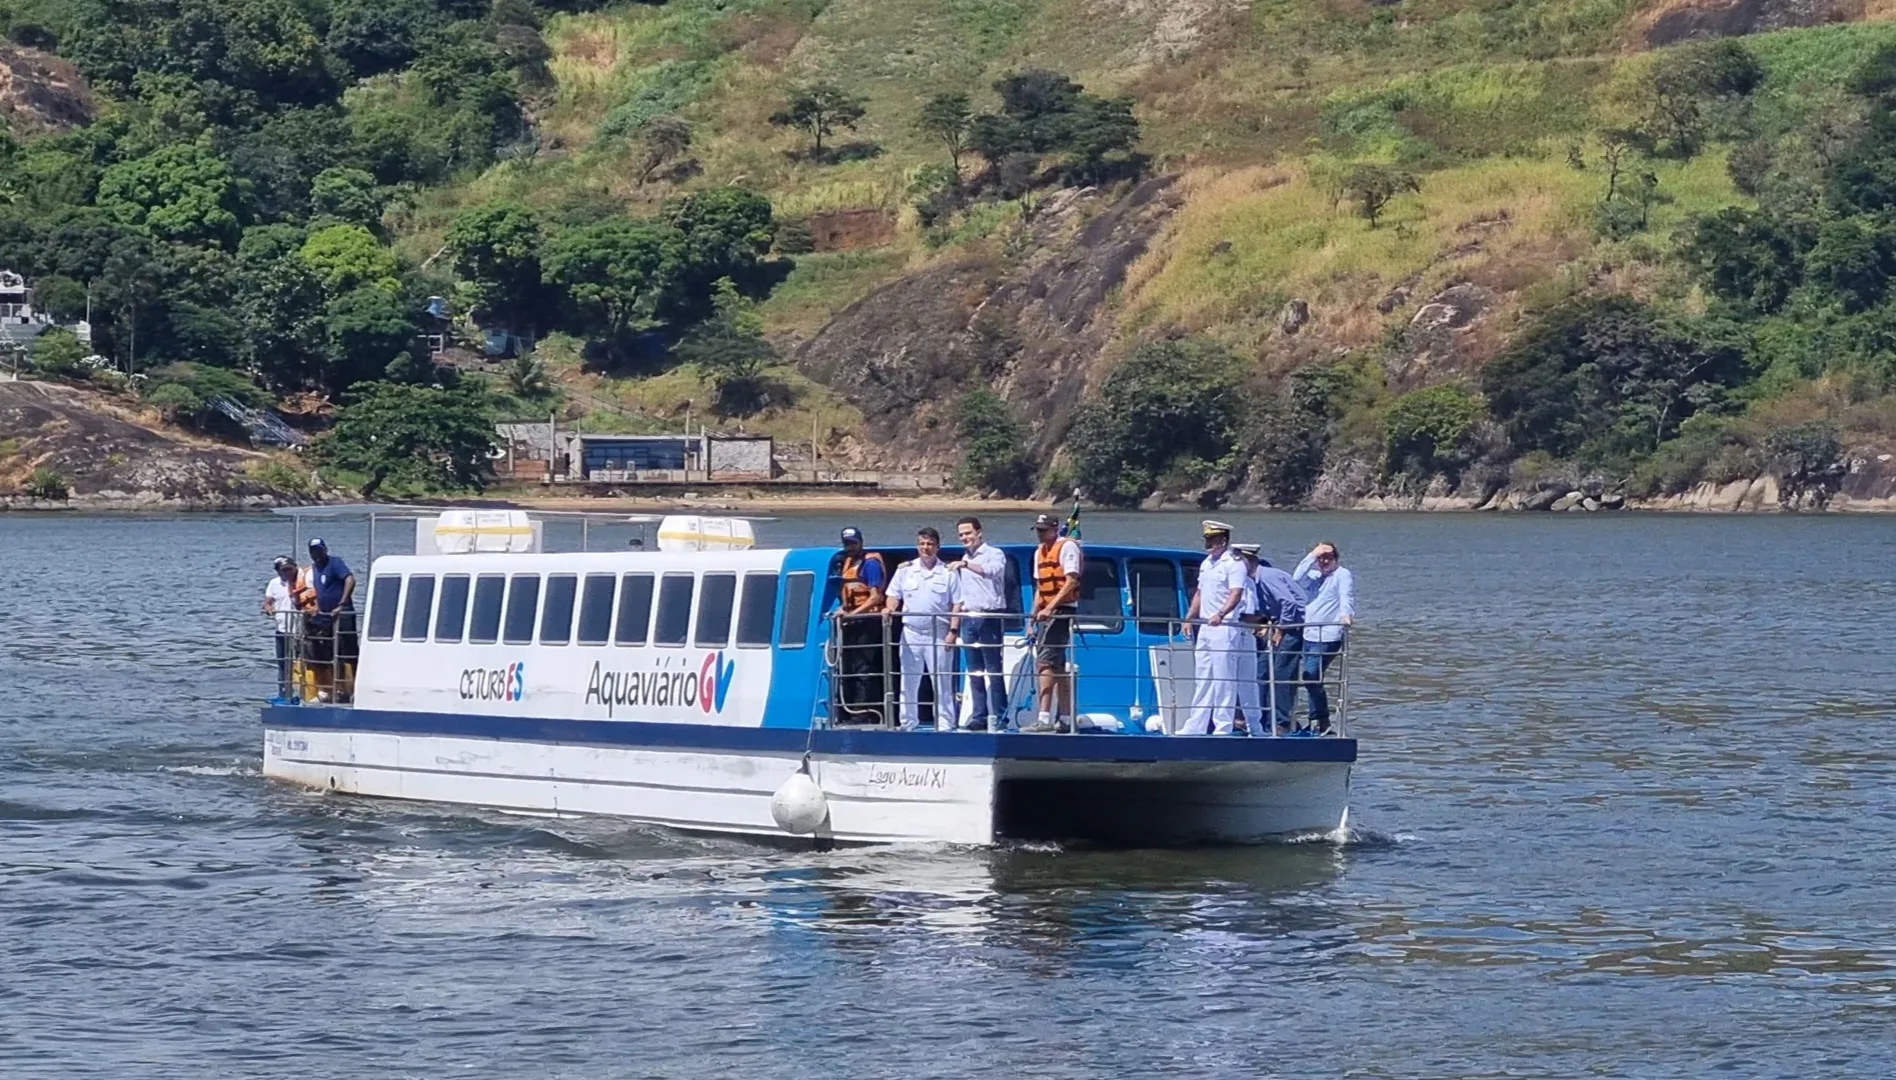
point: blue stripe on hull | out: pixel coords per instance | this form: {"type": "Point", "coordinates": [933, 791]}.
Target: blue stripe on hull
{"type": "Point", "coordinates": [839, 742]}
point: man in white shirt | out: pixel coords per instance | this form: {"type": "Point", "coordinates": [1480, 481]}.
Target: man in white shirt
{"type": "Point", "coordinates": [279, 602]}
{"type": "Point", "coordinates": [924, 592]}
{"type": "Point", "coordinates": [982, 575]}
{"type": "Point", "coordinates": [1223, 587]}
{"type": "Point", "coordinates": [1327, 619]}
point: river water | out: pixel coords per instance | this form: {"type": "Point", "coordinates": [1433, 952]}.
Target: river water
{"type": "Point", "coordinates": [1626, 807]}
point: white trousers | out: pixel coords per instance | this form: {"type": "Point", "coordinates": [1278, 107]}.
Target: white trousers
{"type": "Point", "coordinates": [925, 653]}
{"type": "Point", "coordinates": [1249, 699]}
{"type": "Point", "coordinates": [1214, 681]}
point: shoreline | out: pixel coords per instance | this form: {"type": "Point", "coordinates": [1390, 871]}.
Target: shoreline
{"type": "Point", "coordinates": [760, 504]}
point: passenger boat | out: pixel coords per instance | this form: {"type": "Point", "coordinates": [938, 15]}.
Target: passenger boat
{"type": "Point", "coordinates": [696, 686]}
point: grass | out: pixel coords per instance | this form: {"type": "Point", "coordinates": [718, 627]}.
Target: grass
{"type": "Point", "coordinates": [1249, 238]}
{"type": "Point", "coordinates": [824, 284]}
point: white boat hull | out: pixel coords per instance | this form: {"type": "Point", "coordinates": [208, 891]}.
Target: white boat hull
{"type": "Point", "coordinates": [903, 797]}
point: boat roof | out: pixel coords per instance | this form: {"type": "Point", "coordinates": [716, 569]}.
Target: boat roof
{"type": "Point", "coordinates": [363, 511]}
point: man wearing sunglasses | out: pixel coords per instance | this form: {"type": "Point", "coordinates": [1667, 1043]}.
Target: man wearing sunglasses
{"type": "Point", "coordinates": [1327, 618]}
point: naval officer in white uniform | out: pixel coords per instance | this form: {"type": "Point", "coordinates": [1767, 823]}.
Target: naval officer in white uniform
{"type": "Point", "coordinates": [924, 591]}
{"type": "Point", "coordinates": [1223, 589]}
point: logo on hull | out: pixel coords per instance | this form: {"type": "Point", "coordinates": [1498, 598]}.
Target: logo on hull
{"type": "Point", "coordinates": [706, 688]}
{"type": "Point", "coordinates": [494, 684]}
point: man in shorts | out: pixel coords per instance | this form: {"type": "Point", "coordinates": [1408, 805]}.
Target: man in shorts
{"type": "Point", "coordinates": [332, 629]}
{"type": "Point", "coordinates": [1056, 602]}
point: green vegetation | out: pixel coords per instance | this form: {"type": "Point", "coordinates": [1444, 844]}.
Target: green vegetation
{"type": "Point", "coordinates": [1167, 417]}
{"type": "Point", "coordinates": [1688, 251]}
{"type": "Point", "coordinates": [47, 484]}
{"type": "Point", "coordinates": [993, 455]}
{"type": "Point", "coordinates": [412, 438]}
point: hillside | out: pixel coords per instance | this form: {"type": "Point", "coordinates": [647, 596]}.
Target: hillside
{"type": "Point", "coordinates": [1408, 250]}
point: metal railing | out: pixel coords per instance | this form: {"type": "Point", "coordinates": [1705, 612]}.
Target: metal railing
{"type": "Point", "coordinates": [316, 657]}
{"type": "Point", "coordinates": [1162, 675]}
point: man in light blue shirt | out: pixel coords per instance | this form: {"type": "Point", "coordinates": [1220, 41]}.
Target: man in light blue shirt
{"type": "Point", "coordinates": [1328, 615]}
{"type": "Point", "coordinates": [982, 570]}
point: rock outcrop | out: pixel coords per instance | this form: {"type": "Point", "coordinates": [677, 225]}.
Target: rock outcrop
{"type": "Point", "coordinates": [1029, 325]}
{"type": "Point", "coordinates": [110, 460]}
{"type": "Point", "coordinates": [41, 93]}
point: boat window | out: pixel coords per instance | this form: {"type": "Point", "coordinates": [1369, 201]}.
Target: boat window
{"type": "Point", "coordinates": [635, 610]}
{"type": "Point", "coordinates": [485, 627]}
{"type": "Point", "coordinates": [417, 607]}
{"type": "Point", "coordinates": [796, 611]}
{"type": "Point", "coordinates": [451, 613]}
{"type": "Point", "coordinates": [556, 619]}
{"type": "Point", "coordinates": [755, 612]}
{"type": "Point", "coordinates": [383, 596]}
{"type": "Point", "coordinates": [1100, 604]}
{"type": "Point", "coordinates": [595, 609]}
{"type": "Point", "coordinates": [1154, 593]}
{"type": "Point", "coordinates": [714, 611]}
{"type": "Point", "coordinates": [523, 603]}
{"type": "Point", "coordinates": [674, 609]}
{"type": "Point", "coordinates": [1191, 577]}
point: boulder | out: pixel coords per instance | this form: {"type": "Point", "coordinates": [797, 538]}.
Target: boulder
{"type": "Point", "coordinates": [1613, 501]}
{"type": "Point", "coordinates": [1589, 505]}
{"type": "Point", "coordinates": [1543, 499]}
{"type": "Point", "coordinates": [1296, 314]}
{"type": "Point", "coordinates": [1566, 502]}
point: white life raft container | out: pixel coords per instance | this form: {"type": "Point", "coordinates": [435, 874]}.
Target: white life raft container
{"type": "Point", "coordinates": [464, 532]}
{"type": "Point", "coordinates": [689, 532]}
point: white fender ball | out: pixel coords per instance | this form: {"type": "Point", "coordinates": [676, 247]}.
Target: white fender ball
{"type": "Point", "coordinates": [799, 806]}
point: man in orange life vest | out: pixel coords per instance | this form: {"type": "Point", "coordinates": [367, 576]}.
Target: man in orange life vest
{"type": "Point", "coordinates": [1056, 599]}
{"type": "Point", "coordinates": [864, 632]}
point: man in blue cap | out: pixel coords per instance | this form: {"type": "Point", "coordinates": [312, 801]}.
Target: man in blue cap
{"type": "Point", "coordinates": [332, 631]}
{"type": "Point", "coordinates": [863, 636]}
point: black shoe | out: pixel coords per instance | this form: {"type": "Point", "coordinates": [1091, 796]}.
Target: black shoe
{"type": "Point", "coordinates": [1062, 727]}
{"type": "Point", "coordinates": [979, 723]}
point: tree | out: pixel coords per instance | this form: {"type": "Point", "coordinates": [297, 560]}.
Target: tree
{"type": "Point", "coordinates": [178, 193]}
{"type": "Point", "coordinates": [1681, 83]}
{"type": "Point", "coordinates": [946, 118]}
{"type": "Point", "coordinates": [368, 332]}
{"type": "Point", "coordinates": [663, 140]}
{"type": "Point", "coordinates": [1170, 407]}
{"type": "Point", "coordinates": [1747, 257]}
{"type": "Point", "coordinates": [418, 437]}
{"type": "Point", "coordinates": [1372, 187]}
{"type": "Point", "coordinates": [347, 257]}
{"type": "Point", "coordinates": [730, 349]}
{"type": "Point", "coordinates": [496, 251]}
{"type": "Point", "coordinates": [58, 352]}
{"type": "Point", "coordinates": [374, 36]}
{"type": "Point", "coordinates": [1604, 376]}
{"type": "Point", "coordinates": [726, 233]}
{"type": "Point", "coordinates": [1854, 262]}
{"type": "Point", "coordinates": [616, 274]}
{"type": "Point", "coordinates": [820, 109]}
{"type": "Point", "coordinates": [347, 196]}
{"type": "Point", "coordinates": [1095, 128]}
{"type": "Point", "coordinates": [61, 297]}
{"type": "Point", "coordinates": [280, 300]}
{"type": "Point", "coordinates": [993, 445]}
{"type": "Point", "coordinates": [526, 378]}
{"type": "Point", "coordinates": [1425, 432]}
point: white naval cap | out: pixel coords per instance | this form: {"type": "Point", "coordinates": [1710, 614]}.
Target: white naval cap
{"type": "Point", "coordinates": [1216, 527]}
{"type": "Point", "coordinates": [1247, 549]}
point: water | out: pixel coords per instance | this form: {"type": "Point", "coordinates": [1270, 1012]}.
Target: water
{"type": "Point", "coordinates": [1624, 809]}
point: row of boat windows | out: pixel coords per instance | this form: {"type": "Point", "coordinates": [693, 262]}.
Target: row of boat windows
{"type": "Point", "coordinates": [594, 609]}
{"type": "Point", "coordinates": [1101, 604]}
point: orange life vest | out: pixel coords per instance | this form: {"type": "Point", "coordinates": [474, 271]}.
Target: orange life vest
{"type": "Point", "coordinates": [855, 592]}
{"type": "Point", "coordinates": [1049, 579]}
{"type": "Point", "coordinates": [303, 592]}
